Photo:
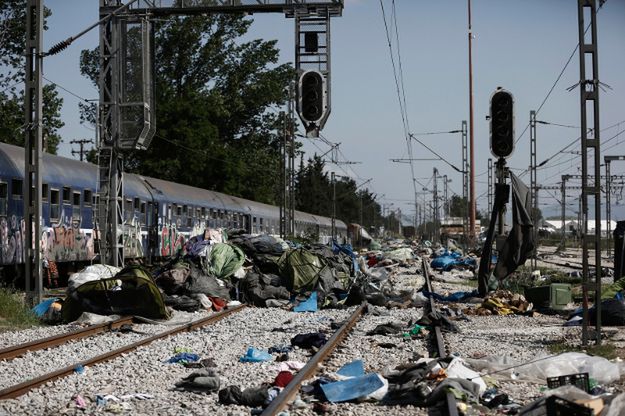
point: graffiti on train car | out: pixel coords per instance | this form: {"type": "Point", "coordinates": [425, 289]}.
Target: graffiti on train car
{"type": "Point", "coordinates": [11, 240]}
{"type": "Point", "coordinates": [67, 241]}
{"type": "Point", "coordinates": [64, 241]}
{"type": "Point", "coordinates": [133, 239]}
{"type": "Point", "coordinates": [172, 241]}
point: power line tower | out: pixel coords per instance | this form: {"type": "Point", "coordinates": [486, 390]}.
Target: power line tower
{"type": "Point", "coordinates": [81, 143]}
{"type": "Point", "coordinates": [591, 152]}
{"type": "Point", "coordinates": [127, 98]}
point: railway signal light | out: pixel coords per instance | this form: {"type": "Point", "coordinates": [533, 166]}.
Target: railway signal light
{"type": "Point", "coordinates": [311, 96]}
{"type": "Point", "coordinates": [501, 123]}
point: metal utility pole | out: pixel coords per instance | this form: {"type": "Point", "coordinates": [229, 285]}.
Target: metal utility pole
{"type": "Point", "coordinates": [81, 143]}
{"type": "Point", "coordinates": [333, 206]}
{"type": "Point", "coordinates": [490, 184]}
{"type": "Point", "coordinates": [33, 103]}
{"type": "Point", "coordinates": [608, 190]}
{"type": "Point", "coordinates": [563, 192]}
{"type": "Point", "coordinates": [589, 95]}
{"type": "Point", "coordinates": [472, 144]}
{"type": "Point", "coordinates": [287, 207]}
{"type": "Point", "coordinates": [533, 186]}
{"type": "Point", "coordinates": [501, 179]}
{"type": "Point", "coordinates": [465, 185]}
{"type": "Point", "coordinates": [446, 196]}
{"type": "Point", "coordinates": [435, 219]}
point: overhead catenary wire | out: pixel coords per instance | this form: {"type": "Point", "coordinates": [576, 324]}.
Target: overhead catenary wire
{"type": "Point", "coordinates": [557, 79]}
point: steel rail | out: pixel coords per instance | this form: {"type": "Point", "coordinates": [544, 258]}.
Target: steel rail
{"type": "Point", "coordinates": [450, 399]}
{"type": "Point", "coordinates": [49, 342]}
{"type": "Point", "coordinates": [288, 393]}
{"type": "Point", "coordinates": [22, 388]}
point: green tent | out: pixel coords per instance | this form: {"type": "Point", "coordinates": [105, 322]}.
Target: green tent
{"type": "Point", "coordinates": [130, 292]}
{"type": "Point", "coordinates": [302, 269]}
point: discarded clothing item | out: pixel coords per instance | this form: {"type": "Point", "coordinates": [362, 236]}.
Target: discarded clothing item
{"type": "Point", "coordinates": [202, 381]}
{"type": "Point", "coordinates": [386, 329]}
{"type": "Point", "coordinates": [280, 349]}
{"type": "Point", "coordinates": [400, 254]}
{"type": "Point", "coordinates": [309, 305]}
{"type": "Point", "coordinates": [258, 289]}
{"type": "Point", "coordinates": [454, 297]}
{"type": "Point", "coordinates": [200, 282]}
{"type": "Point", "coordinates": [172, 280]}
{"type": "Point", "coordinates": [88, 318]}
{"type": "Point", "coordinates": [612, 313]}
{"type": "Point", "coordinates": [464, 390]}
{"type": "Point", "coordinates": [411, 392]}
{"type": "Point", "coordinates": [520, 242]}
{"type": "Point", "coordinates": [310, 340]}
{"type": "Point", "coordinates": [254, 355]}
{"type": "Point", "coordinates": [289, 365]}
{"type": "Point", "coordinates": [252, 397]}
{"type": "Point", "coordinates": [183, 357]}
{"type": "Point", "coordinates": [611, 291]}
{"type": "Point", "coordinates": [41, 309]}
{"type": "Point", "coordinates": [283, 378]}
{"type": "Point", "coordinates": [352, 388]}
{"type": "Point", "coordinates": [205, 363]}
{"type": "Point", "coordinates": [182, 303]}
{"type": "Point", "coordinates": [457, 369]}
{"type": "Point", "coordinates": [414, 331]}
{"type": "Point", "coordinates": [436, 319]}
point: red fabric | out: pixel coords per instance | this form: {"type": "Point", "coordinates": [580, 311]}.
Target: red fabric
{"type": "Point", "coordinates": [218, 303]}
{"type": "Point", "coordinates": [373, 260]}
{"type": "Point", "coordinates": [283, 378]}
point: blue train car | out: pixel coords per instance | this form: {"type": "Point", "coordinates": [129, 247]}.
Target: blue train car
{"type": "Point", "coordinates": [159, 216]}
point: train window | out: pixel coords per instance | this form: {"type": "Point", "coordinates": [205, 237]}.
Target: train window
{"type": "Point", "coordinates": [16, 188]}
{"type": "Point", "coordinates": [87, 197]}
{"type": "Point", "coordinates": [198, 214]}
{"type": "Point", "coordinates": [55, 210]}
{"type": "Point", "coordinates": [179, 210]}
{"type": "Point", "coordinates": [142, 210]}
{"type": "Point", "coordinates": [203, 216]}
{"type": "Point", "coordinates": [76, 205]}
{"type": "Point", "coordinates": [3, 198]}
{"type": "Point", "coordinates": [128, 209]}
{"type": "Point", "coordinates": [137, 204]}
{"type": "Point", "coordinates": [221, 215]}
{"type": "Point", "coordinates": [44, 192]}
{"type": "Point", "coordinates": [254, 220]}
{"type": "Point", "coordinates": [185, 210]}
{"type": "Point", "coordinates": [67, 194]}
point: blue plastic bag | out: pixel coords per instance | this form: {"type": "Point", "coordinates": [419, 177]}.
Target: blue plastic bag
{"type": "Point", "coordinates": [255, 356]}
{"type": "Point", "coordinates": [309, 305]}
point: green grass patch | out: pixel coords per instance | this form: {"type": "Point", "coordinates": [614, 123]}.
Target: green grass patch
{"type": "Point", "coordinates": [14, 313]}
{"type": "Point", "coordinates": [605, 350]}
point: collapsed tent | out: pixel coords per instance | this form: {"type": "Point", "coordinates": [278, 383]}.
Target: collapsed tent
{"type": "Point", "coordinates": [302, 269]}
{"type": "Point", "coordinates": [129, 292]}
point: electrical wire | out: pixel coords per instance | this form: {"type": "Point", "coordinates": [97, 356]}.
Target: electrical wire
{"type": "Point", "coordinates": [558, 78]}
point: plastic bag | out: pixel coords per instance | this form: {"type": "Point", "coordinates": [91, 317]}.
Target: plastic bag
{"type": "Point", "coordinates": [255, 356]}
{"type": "Point", "coordinates": [598, 368]}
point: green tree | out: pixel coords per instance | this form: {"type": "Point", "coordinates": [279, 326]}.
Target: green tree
{"type": "Point", "coordinates": [458, 206]}
{"type": "Point", "coordinates": [12, 61]}
{"type": "Point", "coordinates": [214, 99]}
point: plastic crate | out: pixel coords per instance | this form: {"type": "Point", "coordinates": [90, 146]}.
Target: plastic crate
{"type": "Point", "coordinates": [580, 380]}
{"type": "Point", "coordinates": [557, 406]}
{"type": "Point", "coordinates": [555, 296]}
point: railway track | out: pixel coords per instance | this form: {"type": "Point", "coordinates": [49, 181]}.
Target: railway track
{"type": "Point", "coordinates": [331, 355]}
{"type": "Point", "coordinates": [54, 341]}
{"type": "Point", "coordinates": [26, 386]}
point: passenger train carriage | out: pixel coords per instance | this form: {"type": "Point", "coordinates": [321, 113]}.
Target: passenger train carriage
{"type": "Point", "coordinates": [159, 216]}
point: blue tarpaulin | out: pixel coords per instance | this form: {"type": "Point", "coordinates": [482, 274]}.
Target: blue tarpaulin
{"type": "Point", "coordinates": [309, 305]}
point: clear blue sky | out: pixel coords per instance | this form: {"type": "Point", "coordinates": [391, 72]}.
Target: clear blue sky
{"type": "Point", "coordinates": [521, 45]}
